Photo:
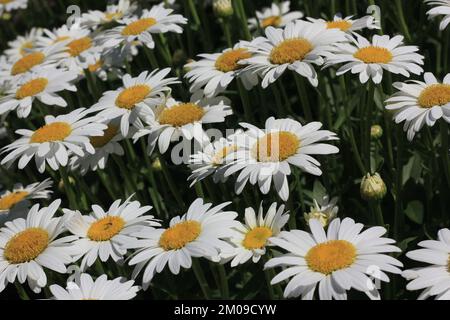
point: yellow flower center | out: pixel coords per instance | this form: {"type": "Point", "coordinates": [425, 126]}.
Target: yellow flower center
{"type": "Point", "coordinates": [26, 245]}
{"type": "Point", "coordinates": [113, 15]}
{"type": "Point", "coordinates": [257, 238]}
{"type": "Point", "coordinates": [95, 66]}
{"type": "Point", "coordinates": [10, 200]}
{"type": "Point", "coordinates": [331, 256]}
{"type": "Point", "coordinates": [137, 27]}
{"type": "Point", "coordinates": [78, 46]}
{"type": "Point", "coordinates": [228, 61]}
{"type": "Point", "coordinates": [106, 228]}
{"type": "Point", "coordinates": [26, 45]}
{"type": "Point", "coordinates": [344, 25]}
{"type": "Point", "coordinates": [435, 95]}
{"type": "Point", "coordinates": [108, 134]}
{"type": "Point", "coordinates": [181, 114]}
{"type": "Point", "coordinates": [218, 157]}
{"type": "Point", "coordinates": [372, 54]}
{"type": "Point", "coordinates": [131, 96]}
{"type": "Point", "coordinates": [179, 235]}
{"type": "Point", "coordinates": [290, 50]}
{"type": "Point", "coordinates": [61, 38]}
{"type": "Point", "coordinates": [277, 146]}
{"type": "Point", "coordinates": [5, 1]}
{"type": "Point", "coordinates": [273, 21]}
{"type": "Point", "coordinates": [27, 62]}
{"type": "Point", "coordinates": [55, 131]}
{"type": "Point", "coordinates": [31, 88]}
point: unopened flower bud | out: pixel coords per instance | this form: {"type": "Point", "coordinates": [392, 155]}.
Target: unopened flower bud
{"type": "Point", "coordinates": [376, 132]}
{"type": "Point", "coordinates": [223, 8]}
{"type": "Point", "coordinates": [156, 165]}
{"type": "Point", "coordinates": [372, 187]}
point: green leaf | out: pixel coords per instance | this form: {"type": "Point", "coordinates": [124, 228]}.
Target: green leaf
{"type": "Point", "coordinates": [404, 243]}
{"type": "Point", "coordinates": [319, 190]}
{"type": "Point", "coordinates": [414, 211]}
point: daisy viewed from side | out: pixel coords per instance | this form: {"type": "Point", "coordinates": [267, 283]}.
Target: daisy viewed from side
{"type": "Point", "coordinates": [212, 159]}
{"type": "Point", "coordinates": [103, 234]}
{"type": "Point", "coordinates": [370, 58]}
{"type": "Point", "coordinates": [10, 5]}
{"type": "Point", "coordinates": [41, 84]}
{"type": "Point", "coordinates": [442, 8]}
{"type": "Point", "coordinates": [324, 210]}
{"type": "Point", "coordinates": [435, 277]}
{"type": "Point", "coordinates": [348, 24]}
{"type": "Point", "coordinates": [85, 288]}
{"type": "Point", "coordinates": [105, 145]}
{"type": "Point", "coordinates": [252, 238]}
{"type": "Point", "coordinates": [277, 15]}
{"type": "Point", "coordinates": [23, 45]}
{"type": "Point", "coordinates": [339, 260]}
{"type": "Point", "coordinates": [15, 202]}
{"type": "Point", "coordinates": [133, 102]}
{"type": "Point", "coordinates": [27, 246]}
{"type": "Point", "coordinates": [214, 72]}
{"type": "Point", "coordinates": [113, 12]}
{"type": "Point", "coordinates": [297, 47]}
{"type": "Point", "coordinates": [156, 20]}
{"type": "Point", "coordinates": [198, 233]}
{"type": "Point", "coordinates": [419, 103]}
{"type": "Point", "coordinates": [266, 155]}
{"type": "Point", "coordinates": [53, 142]}
{"type": "Point", "coordinates": [175, 119]}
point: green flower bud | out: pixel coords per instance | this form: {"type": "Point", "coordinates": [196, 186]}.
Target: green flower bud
{"type": "Point", "coordinates": [376, 132]}
{"type": "Point", "coordinates": [156, 165]}
{"type": "Point", "coordinates": [372, 187]}
{"type": "Point", "coordinates": [223, 8]}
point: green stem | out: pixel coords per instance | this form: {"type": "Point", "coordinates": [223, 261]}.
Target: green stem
{"type": "Point", "coordinates": [399, 214]}
{"type": "Point", "coordinates": [223, 282]}
{"type": "Point", "coordinates": [443, 126]}
{"type": "Point", "coordinates": [21, 291]}
{"type": "Point", "coordinates": [173, 188]}
{"type": "Point", "coordinates": [365, 148]}
{"type": "Point", "coordinates": [151, 57]}
{"type": "Point", "coordinates": [226, 31]}
{"type": "Point", "coordinates": [401, 19]}
{"type": "Point", "coordinates": [303, 95]}
{"type": "Point", "coordinates": [67, 187]}
{"type": "Point", "coordinates": [245, 101]}
{"type": "Point", "coordinates": [193, 11]}
{"type": "Point", "coordinates": [201, 278]}
{"type": "Point", "coordinates": [243, 19]}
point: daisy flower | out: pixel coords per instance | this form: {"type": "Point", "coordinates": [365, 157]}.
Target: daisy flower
{"type": "Point", "coordinates": [296, 47]}
{"type": "Point", "coordinates": [85, 288]}
{"type": "Point", "coordinates": [277, 15]}
{"type": "Point", "coordinates": [41, 84]}
{"type": "Point", "coordinates": [23, 45]}
{"type": "Point", "coordinates": [442, 9]}
{"type": "Point", "coordinates": [266, 155]}
{"type": "Point", "coordinates": [103, 63]}
{"type": "Point", "coordinates": [370, 58]}
{"type": "Point", "coordinates": [104, 146]}
{"type": "Point", "coordinates": [132, 102]}
{"type": "Point", "coordinates": [198, 233]}
{"type": "Point", "coordinates": [418, 103]}
{"type": "Point", "coordinates": [435, 277]}
{"type": "Point", "coordinates": [214, 72]}
{"type": "Point", "coordinates": [102, 234]}
{"type": "Point", "coordinates": [15, 202]}
{"type": "Point", "coordinates": [348, 24]}
{"type": "Point", "coordinates": [324, 210]}
{"type": "Point", "coordinates": [53, 142]}
{"type": "Point", "coordinates": [27, 246]}
{"type": "Point", "coordinates": [339, 260]}
{"type": "Point", "coordinates": [251, 239]}
{"type": "Point", "coordinates": [212, 159]}
{"type": "Point", "coordinates": [10, 5]}
{"type": "Point", "coordinates": [114, 12]}
{"type": "Point", "coordinates": [156, 20]}
{"type": "Point", "coordinates": [50, 56]}
{"type": "Point", "coordinates": [175, 119]}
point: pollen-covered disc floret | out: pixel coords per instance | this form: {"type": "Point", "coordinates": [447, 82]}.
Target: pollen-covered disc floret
{"type": "Point", "coordinates": [251, 239]}
{"type": "Point", "coordinates": [369, 59]}
{"type": "Point", "coordinates": [333, 262]}
{"type": "Point", "coordinates": [420, 103]}
{"type": "Point", "coordinates": [198, 233]}
{"type": "Point", "coordinates": [29, 245]}
{"type": "Point", "coordinates": [52, 142]}
{"type": "Point", "coordinates": [297, 47]}
{"type": "Point", "coordinates": [434, 277]}
{"type": "Point", "coordinates": [265, 156]}
{"type": "Point", "coordinates": [106, 234]}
